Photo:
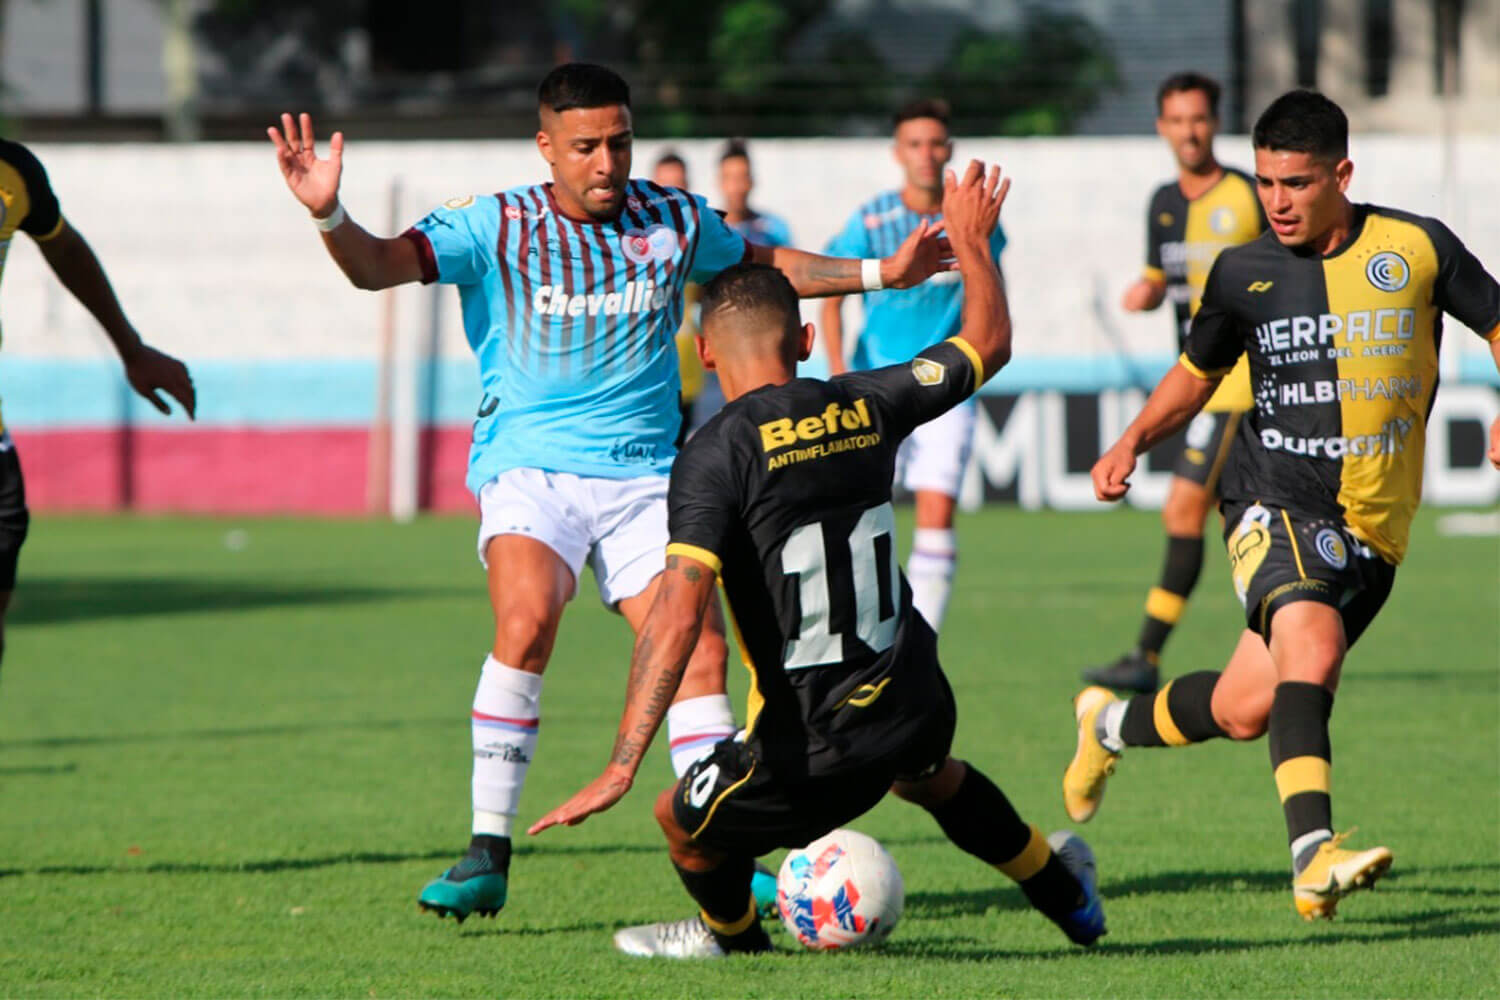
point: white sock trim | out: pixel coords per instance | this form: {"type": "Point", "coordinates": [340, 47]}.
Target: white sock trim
{"type": "Point", "coordinates": [1306, 842]}
{"type": "Point", "coordinates": [937, 543]}
{"type": "Point", "coordinates": [493, 824]}
{"type": "Point", "coordinates": [1112, 717]}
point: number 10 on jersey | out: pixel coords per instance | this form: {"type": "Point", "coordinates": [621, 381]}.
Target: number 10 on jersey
{"type": "Point", "coordinates": [806, 555]}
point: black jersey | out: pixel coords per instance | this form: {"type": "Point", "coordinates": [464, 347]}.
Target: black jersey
{"type": "Point", "coordinates": [1343, 355]}
{"type": "Point", "coordinates": [786, 493]}
{"type": "Point", "coordinates": [1183, 237]}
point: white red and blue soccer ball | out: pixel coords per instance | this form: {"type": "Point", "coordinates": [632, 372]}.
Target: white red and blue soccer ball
{"type": "Point", "coordinates": [841, 891]}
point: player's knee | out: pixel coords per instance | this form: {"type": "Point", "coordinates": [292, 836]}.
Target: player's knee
{"type": "Point", "coordinates": [523, 636]}
{"type": "Point", "coordinates": [1183, 513]}
{"type": "Point", "coordinates": [935, 789]}
{"type": "Point", "coordinates": [1245, 717]}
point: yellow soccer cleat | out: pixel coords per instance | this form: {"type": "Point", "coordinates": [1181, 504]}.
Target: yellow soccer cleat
{"type": "Point", "coordinates": [1334, 873]}
{"type": "Point", "coordinates": [1083, 781]}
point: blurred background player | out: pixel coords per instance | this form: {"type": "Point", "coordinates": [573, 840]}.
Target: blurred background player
{"type": "Point", "coordinates": [849, 704]}
{"type": "Point", "coordinates": [897, 324]}
{"type": "Point", "coordinates": [29, 205]}
{"type": "Point", "coordinates": [1340, 310]}
{"type": "Point", "coordinates": [670, 170]}
{"type": "Point", "coordinates": [736, 181]}
{"type": "Point", "coordinates": [575, 432]}
{"type": "Point", "coordinates": [1207, 208]}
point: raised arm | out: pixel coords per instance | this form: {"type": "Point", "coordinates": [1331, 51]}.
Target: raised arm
{"type": "Point", "coordinates": [833, 334]}
{"type": "Point", "coordinates": [922, 254]}
{"type": "Point", "coordinates": [661, 654]}
{"type": "Point", "coordinates": [1174, 402]}
{"type": "Point", "coordinates": [971, 208]}
{"type": "Point", "coordinates": [369, 261]}
{"type": "Point", "coordinates": [148, 370]}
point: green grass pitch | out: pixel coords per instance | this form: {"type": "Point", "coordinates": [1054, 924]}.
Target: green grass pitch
{"type": "Point", "coordinates": [227, 769]}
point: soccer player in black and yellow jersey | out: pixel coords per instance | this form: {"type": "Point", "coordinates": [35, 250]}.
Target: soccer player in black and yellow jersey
{"type": "Point", "coordinates": [1339, 309]}
{"type": "Point", "coordinates": [29, 205]}
{"type": "Point", "coordinates": [785, 497]}
{"type": "Point", "coordinates": [1190, 220]}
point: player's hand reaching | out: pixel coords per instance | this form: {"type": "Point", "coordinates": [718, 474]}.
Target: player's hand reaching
{"type": "Point", "coordinates": [314, 182]}
{"type": "Point", "coordinates": [595, 797]}
{"type": "Point", "coordinates": [924, 252]}
{"type": "Point", "coordinates": [150, 371]}
{"type": "Point", "coordinates": [1111, 474]}
{"type": "Point", "coordinates": [971, 205]}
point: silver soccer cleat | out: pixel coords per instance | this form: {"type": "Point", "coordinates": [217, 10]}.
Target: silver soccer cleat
{"type": "Point", "coordinates": [669, 939]}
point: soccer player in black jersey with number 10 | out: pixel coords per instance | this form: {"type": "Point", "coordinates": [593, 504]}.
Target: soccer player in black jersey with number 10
{"type": "Point", "coordinates": [786, 496]}
{"type": "Point", "coordinates": [1339, 309]}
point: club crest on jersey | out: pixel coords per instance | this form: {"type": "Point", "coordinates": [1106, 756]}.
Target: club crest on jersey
{"type": "Point", "coordinates": [1388, 271]}
{"type": "Point", "coordinates": [633, 203]}
{"type": "Point", "coordinates": [1221, 220]}
{"type": "Point", "coordinates": [928, 372]}
{"type": "Point", "coordinates": [652, 243]}
{"type": "Point", "coordinates": [514, 213]}
{"type": "Point", "coordinates": [1330, 545]}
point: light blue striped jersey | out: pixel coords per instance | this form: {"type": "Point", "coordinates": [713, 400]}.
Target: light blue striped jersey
{"type": "Point", "coordinates": [573, 323]}
{"type": "Point", "coordinates": [763, 229]}
{"type": "Point", "coordinates": [900, 322]}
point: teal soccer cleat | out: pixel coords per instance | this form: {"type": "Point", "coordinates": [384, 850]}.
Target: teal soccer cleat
{"type": "Point", "coordinates": [477, 884]}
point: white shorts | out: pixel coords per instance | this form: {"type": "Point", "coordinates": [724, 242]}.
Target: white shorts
{"type": "Point", "coordinates": [617, 526]}
{"type": "Point", "coordinates": [936, 454]}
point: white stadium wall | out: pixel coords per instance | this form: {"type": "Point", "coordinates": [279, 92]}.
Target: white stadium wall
{"type": "Point", "coordinates": [217, 264]}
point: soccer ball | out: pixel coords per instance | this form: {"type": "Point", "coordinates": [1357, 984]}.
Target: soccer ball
{"type": "Point", "coordinates": [841, 891]}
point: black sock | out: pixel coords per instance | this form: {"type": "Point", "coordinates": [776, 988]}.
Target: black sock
{"type": "Point", "coordinates": [1179, 575]}
{"type": "Point", "coordinates": [1302, 759]}
{"type": "Point", "coordinates": [727, 905]}
{"type": "Point", "coordinates": [487, 855]}
{"type": "Point", "coordinates": [1179, 714]}
{"type": "Point", "coordinates": [980, 820]}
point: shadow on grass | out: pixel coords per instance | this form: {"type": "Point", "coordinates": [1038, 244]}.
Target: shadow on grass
{"type": "Point", "coordinates": [231, 732]}
{"type": "Point", "coordinates": [275, 865]}
{"type": "Point", "coordinates": [39, 769]}
{"type": "Point", "coordinates": [59, 600]}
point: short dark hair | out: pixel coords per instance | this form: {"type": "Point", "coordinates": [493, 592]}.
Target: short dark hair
{"type": "Point", "coordinates": [671, 158]}
{"type": "Point", "coordinates": [752, 287]}
{"type": "Point", "coordinates": [1181, 83]}
{"type": "Point", "coordinates": [582, 85]}
{"type": "Point", "coordinates": [1303, 121]}
{"type": "Point", "coordinates": [735, 149]}
{"type": "Point", "coordinates": [925, 107]}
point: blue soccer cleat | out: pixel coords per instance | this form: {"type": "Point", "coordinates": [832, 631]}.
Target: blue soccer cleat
{"type": "Point", "coordinates": [1084, 925]}
{"type": "Point", "coordinates": [763, 888]}
{"type": "Point", "coordinates": [477, 884]}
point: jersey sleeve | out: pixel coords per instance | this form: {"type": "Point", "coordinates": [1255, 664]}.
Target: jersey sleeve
{"type": "Point", "coordinates": [457, 243]}
{"type": "Point", "coordinates": [44, 218]}
{"type": "Point", "coordinates": [778, 233]}
{"type": "Point", "coordinates": [1464, 289]}
{"type": "Point", "coordinates": [703, 501]}
{"type": "Point", "coordinates": [853, 240]}
{"type": "Point", "coordinates": [998, 242]}
{"type": "Point", "coordinates": [1153, 270]}
{"type": "Point", "coordinates": [719, 247]}
{"type": "Point", "coordinates": [924, 388]}
{"type": "Point", "coordinates": [1214, 342]}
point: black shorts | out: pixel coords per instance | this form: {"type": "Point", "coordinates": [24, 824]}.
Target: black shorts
{"type": "Point", "coordinates": [14, 517]}
{"type": "Point", "coordinates": [1205, 445]}
{"type": "Point", "coordinates": [1278, 558]}
{"type": "Point", "coordinates": [734, 801]}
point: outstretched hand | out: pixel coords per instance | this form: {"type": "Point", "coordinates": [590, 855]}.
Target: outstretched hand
{"type": "Point", "coordinates": [923, 253]}
{"type": "Point", "coordinates": [314, 182]}
{"type": "Point", "coordinates": [595, 797]}
{"type": "Point", "coordinates": [971, 205]}
{"type": "Point", "coordinates": [150, 371]}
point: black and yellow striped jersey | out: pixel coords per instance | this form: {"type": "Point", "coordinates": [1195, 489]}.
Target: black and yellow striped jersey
{"type": "Point", "coordinates": [786, 494]}
{"type": "Point", "coordinates": [27, 203]}
{"type": "Point", "coordinates": [1183, 238]}
{"type": "Point", "coordinates": [1343, 353]}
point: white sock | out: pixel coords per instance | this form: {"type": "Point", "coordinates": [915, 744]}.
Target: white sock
{"type": "Point", "coordinates": [1305, 846]}
{"type": "Point", "coordinates": [505, 720]}
{"type": "Point", "coordinates": [934, 557]}
{"type": "Point", "coordinates": [1107, 725]}
{"type": "Point", "coordinates": [694, 725]}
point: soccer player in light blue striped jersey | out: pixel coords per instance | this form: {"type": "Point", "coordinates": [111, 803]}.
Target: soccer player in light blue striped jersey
{"type": "Point", "coordinates": [571, 293]}
{"type": "Point", "coordinates": [898, 324]}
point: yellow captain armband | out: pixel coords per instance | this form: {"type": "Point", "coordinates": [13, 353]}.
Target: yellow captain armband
{"type": "Point", "coordinates": [973, 356]}
{"type": "Point", "coordinates": [54, 232]}
{"type": "Point", "coordinates": [1155, 275]}
{"type": "Point", "coordinates": [1207, 376]}
{"type": "Point", "coordinates": [702, 555]}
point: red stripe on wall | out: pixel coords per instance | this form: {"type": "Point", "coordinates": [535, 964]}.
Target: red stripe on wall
{"type": "Point", "coordinates": [224, 470]}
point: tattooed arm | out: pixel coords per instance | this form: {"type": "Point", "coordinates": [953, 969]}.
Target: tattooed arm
{"type": "Point", "coordinates": [662, 649]}
{"type": "Point", "coordinates": [924, 253]}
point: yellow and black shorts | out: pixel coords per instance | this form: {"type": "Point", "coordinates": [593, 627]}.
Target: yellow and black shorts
{"type": "Point", "coordinates": [1205, 446]}
{"type": "Point", "coordinates": [1277, 558]}
{"type": "Point", "coordinates": [736, 801]}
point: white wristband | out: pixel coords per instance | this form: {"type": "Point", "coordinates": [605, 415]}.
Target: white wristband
{"type": "Point", "coordinates": [869, 273]}
{"type": "Point", "coordinates": [335, 219]}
